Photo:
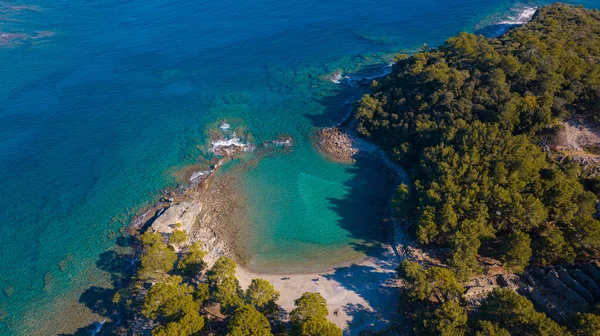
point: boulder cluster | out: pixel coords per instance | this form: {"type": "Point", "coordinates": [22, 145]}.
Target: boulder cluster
{"type": "Point", "coordinates": [337, 145]}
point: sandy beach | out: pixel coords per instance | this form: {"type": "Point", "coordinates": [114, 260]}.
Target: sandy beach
{"type": "Point", "coordinates": [361, 296]}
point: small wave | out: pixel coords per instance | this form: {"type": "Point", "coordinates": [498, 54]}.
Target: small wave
{"type": "Point", "coordinates": [230, 145]}
{"type": "Point", "coordinates": [336, 77]}
{"type": "Point", "coordinates": [516, 16]}
{"type": "Point", "coordinates": [366, 80]}
{"type": "Point", "coordinates": [525, 15]}
{"type": "Point", "coordinates": [225, 126]}
{"type": "Point", "coordinates": [234, 141]}
{"type": "Point", "coordinates": [199, 174]}
{"type": "Point", "coordinates": [286, 142]}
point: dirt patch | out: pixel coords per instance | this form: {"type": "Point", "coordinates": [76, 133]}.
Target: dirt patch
{"type": "Point", "coordinates": [577, 140]}
{"type": "Point", "coordinates": [576, 135]}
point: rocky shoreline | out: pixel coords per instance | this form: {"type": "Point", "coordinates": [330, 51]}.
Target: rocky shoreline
{"type": "Point", "coordinates": [209, 207]}
{"type": "Point", "coordinates": [205, 212]}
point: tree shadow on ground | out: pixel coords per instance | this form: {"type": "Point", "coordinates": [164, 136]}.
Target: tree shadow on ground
{"type": "Point", "coordinates": [364, 214]}
{"type": "Point", "coordinates": [364, 211]}
{"type": "Point", "coordinates": [375, 285]}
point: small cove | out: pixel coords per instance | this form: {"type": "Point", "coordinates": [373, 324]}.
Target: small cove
{"type": "Point", "coordinates": [96, 118]}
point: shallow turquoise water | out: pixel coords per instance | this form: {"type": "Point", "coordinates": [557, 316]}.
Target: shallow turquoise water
{"type": "Point", "coordinates": [308, 213]}
{"type": "Point", "coordinates": [95, 119]}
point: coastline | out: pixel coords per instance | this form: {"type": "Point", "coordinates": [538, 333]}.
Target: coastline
{"type": "Point", "coordinates": [210, 209]}
{"type": "Point", "coordinates": [174, 82]}
{"type": "Point", "coordinates": [357, 291]}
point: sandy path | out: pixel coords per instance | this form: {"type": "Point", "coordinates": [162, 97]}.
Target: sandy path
{"type": "Point", "coordinates": [364, 294]}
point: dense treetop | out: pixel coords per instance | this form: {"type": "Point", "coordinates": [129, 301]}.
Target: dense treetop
{"type": "Point", "coordinates": [466, 118]}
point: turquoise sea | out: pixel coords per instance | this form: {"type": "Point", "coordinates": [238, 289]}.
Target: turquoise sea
{"type": "Point", "coordinates": [102, 102]}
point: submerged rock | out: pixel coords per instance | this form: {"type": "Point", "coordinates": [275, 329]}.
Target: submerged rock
{"type": "Point", "coordinates": [11, 39]}
{"type": "Point", "coordinates": [285, 141]}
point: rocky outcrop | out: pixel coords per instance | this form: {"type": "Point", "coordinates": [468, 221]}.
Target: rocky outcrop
{"type": "Point", "coordinates": [203, 207]}
{"type": "Point", "coordinates": [285, 141]}
{"type": "Point", "coordinates": [566, 278]}
{"type": "Point", "coordinates": [558, 291]}
{"type": "Point", "coordinates": [593, 271]}
{"type": "Point", "coordinates": [578, 140]}
{"type": "Point", "coordinates": [586, 281]}
{"type": "Point", "coordinates": [184, 213]}
{"type": "Point", "coordinates": [478, 288]}
{"type": "Point", "coordinates": [336, 145]}
{"type": "Point", "coordinates": [575, 135]}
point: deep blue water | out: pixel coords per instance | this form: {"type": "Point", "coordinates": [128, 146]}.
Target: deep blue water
{"type": "Point", "coordinates": [95, 119]}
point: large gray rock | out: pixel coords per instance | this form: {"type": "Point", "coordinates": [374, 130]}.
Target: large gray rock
{"type": "Point", "coordinates": [185, 213]}
{"type": "Point", "coordinates": [592, 271]}
{"type": "Point", "coordinates": [586, 282]}
{"type": "Point", "coordinates": [554, 303]}
{"type": "Point", "coordinates": [553, 281]}
{"type": "Point", "coordinates": [574, 285]}
{"type": "Point", "coordinates": [544, 303]}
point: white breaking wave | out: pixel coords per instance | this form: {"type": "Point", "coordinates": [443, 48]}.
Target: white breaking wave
{"type": "Point", "coordinates": [286, 142]}
{"type": "Point", "coordinates": [225, 126]}
{"type": "Point", "coordinates": [354, 80]}
{"type": "Point", "coordinates": [218, 146]}
{"type": "Point", "coordinates": [524, 16]}
{"type": "Point", "coordinates": [97, 327]}
{"type": "Point", "coordinates": [200, 174]}
{"type": "Point", "coordinates": [235, 141]}
{"type": "Point", "coordinates": [336, 77]}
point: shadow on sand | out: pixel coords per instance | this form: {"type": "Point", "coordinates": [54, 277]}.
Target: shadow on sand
{"type": "Point", "coordinates": [377, 286]}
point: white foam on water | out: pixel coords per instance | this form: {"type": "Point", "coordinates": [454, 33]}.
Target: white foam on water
{"type": "Point", "coordinates": [524, 16]}
{"type": "Point", "coordinates": [234, 141]}
{"type": "Point", "coordinates": [225, 126]}
{"type": "Point", "coordinates": [97, 326]}
{"type": "Point", "coordinates": [286, 142]}
{"type": "Point", "coordinates": [336, 77]}
{"type": "Point", "coordinates": [200, 174]}
{"type": "Point", "coordinates": [354, 80]}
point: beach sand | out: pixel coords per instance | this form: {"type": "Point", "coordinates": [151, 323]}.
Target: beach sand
{"type": "Point", "coordinates": [360, 296]}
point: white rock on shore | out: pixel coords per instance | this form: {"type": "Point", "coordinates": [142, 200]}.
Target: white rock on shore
{"type": "Point", "coordinates": [184, 213]}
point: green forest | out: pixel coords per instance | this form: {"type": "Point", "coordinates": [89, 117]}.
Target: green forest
{"type": "Point", "coordinates": [467, 119]}
{"type": "Point", "coordinates": [434, 301]}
